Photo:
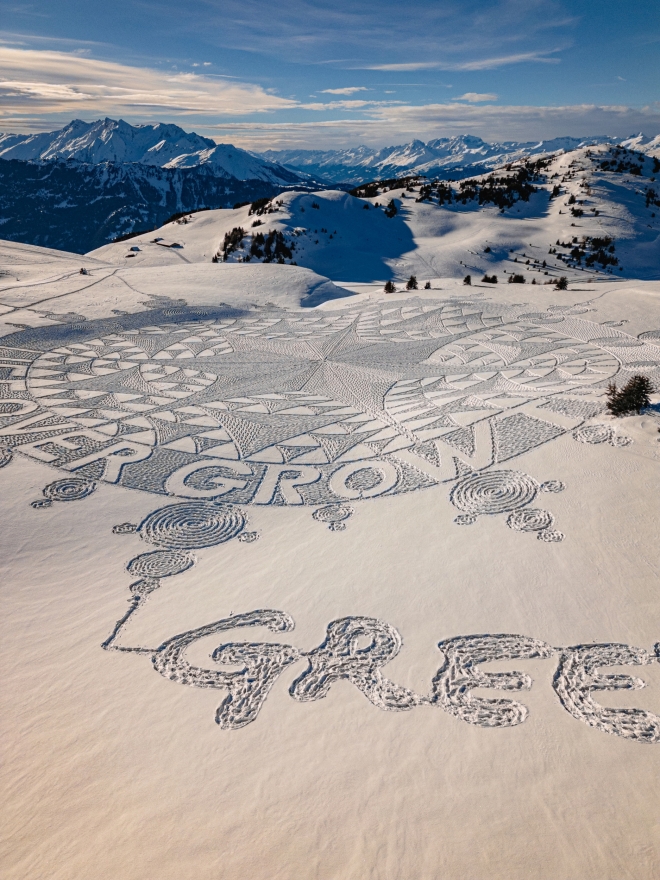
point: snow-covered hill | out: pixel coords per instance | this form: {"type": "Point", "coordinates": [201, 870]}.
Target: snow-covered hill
{"type": "Point", "coordinates": [466, 154]}
{"type": "Point", "coordinates": [589, 214]}
{"type": "Point", "coordinates": [165, 146]}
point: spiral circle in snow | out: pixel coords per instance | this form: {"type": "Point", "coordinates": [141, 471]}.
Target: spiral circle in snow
{"type": "Point", "coordinates": [530, 519]}
{"type": "Point", "coordinates": [493, 492]}
{"type": "Point", "coordinates": [69, 489]}
{"type": "Point", "coordinates": [160, 563]}
{"type": "Point", "coordinates": [192, 525]}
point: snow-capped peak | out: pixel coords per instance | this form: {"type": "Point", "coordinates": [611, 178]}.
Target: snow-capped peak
{"type": "Point", "coordinates": [159, 144]}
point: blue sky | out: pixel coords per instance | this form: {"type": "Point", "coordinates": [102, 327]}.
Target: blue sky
{"type": "Point", "coordinates": [335, 74]}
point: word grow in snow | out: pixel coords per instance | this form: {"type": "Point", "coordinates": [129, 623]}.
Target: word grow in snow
{"type": "Point", "coordinates": [356, 649]}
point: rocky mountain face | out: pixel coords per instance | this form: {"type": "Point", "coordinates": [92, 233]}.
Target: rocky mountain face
{"type": "Point", "coordinates": [75, 207]}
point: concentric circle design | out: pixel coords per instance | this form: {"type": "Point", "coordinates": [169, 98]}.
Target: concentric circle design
{"type": "Point", "coordinates": [594, 434]}
{"type": "Point", "coordinates": [248, 537]}
{"type": "Point", "coordinates": [550, 536]}
{"type": "Point", "coordinates": [530, 519]}
{"type": "Point", "coordinates": [69, 489]}
{"type": "Point", "coordinates": [620, 440]}
{"type": "Point", "coordinates": [192, 525]}
{"type": "Point", "coordinates": [333, 513]}
{"type": "Point", "coordinates": [160, 564]}
{"type": "Point", "coordinates": [141, 589]}
{"type": "Point", "coordinates": [553, 486]}
{"type": "Point", "coordinates": [494, 492]}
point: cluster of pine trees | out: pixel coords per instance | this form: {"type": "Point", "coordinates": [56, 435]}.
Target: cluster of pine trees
{"type": "Point", "coordinates": [633, 397]}
{"type": "Point", "coordinates": [271, 247]}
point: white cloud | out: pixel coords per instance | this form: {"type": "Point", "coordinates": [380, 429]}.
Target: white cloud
{"type": "Point", "coordinates": [349, 90]}
{"type": "Point", "coordinates": [476, 97]}
{"type": "Point", "coordinates": [44, 82]}
{"type": "Point", "coordinates": [476, 64]}
{"type": "Point", "coordinates": [344, 105]}
{"type": "Point", "coordinates": [398, 123]}
{"type": "Point", "coordinates": [404, 66]}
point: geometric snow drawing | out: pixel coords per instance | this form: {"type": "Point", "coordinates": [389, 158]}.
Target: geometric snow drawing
{"type": "Point", "coordinates": [277, 407]}
{"type": "Point", "coordinates": [217, 410]}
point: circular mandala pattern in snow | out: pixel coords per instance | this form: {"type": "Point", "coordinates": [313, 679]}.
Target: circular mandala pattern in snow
{"type": "Point", "coordinates": [530, 519]}
{"type": "Point", "coordinates": [160, 563]}
{"type": "Point", "coordinates": [192, 525]}
{"type": "Point", "coordinates": [493, 492]}
{"type": "Point", "coordinates": [333, 513]}
{"type": "Point", "coordinates": [69, 489]}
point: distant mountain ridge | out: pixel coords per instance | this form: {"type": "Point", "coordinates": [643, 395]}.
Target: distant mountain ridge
{"type": "Point", "coordinates": [451, 157]}
{"type": "Point", "coordinates": [157, 144]}
{"type": "Point", "coordinates": [83, 185]}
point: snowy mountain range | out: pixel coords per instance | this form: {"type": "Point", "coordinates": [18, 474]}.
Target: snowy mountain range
{"type": "Point", "coordinates": [88, 183]}
{"type": "Point", "coordinates": [169, 146]}
{"type": "Point", "coordinates": [444, 157]}
{"type": "Point", "coordinates": [157, 144]}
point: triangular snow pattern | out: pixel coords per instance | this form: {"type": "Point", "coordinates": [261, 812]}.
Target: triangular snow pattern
{"type": "Point", "coordinates": [335, 445]}
{"type": "Point", "coordinates": [462, 439]}
{"type": "Point", "coordinates": [429, 452]}
{"type": "Point", "coordinates": [290, 452]}
{"type": "Point", "coordinates": [518, 433]}
{"type": "Point", "coordinates": [253, 432]}
{"type": "Point", "coordinates": [462, 469]}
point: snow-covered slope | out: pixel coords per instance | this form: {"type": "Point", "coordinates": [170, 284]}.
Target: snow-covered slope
{"type": "Point", "coordinates": [166, 146]}
{"type": "Point", "coordinates": [439, 156]}
{"type": "Point", "coordinates": [605, 215]}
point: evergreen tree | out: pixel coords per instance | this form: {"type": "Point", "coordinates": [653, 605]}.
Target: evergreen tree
{"type": "Point", "coordinates": [633, 397]}
{"type": "Point", "coordinates": [411, 284]}
{"type": "Point", "coordinates": [562, 283]}
{"type": "Point", "coordinates": [389, 287]}
{"type": "Point", "coordinates": [467, 280]}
